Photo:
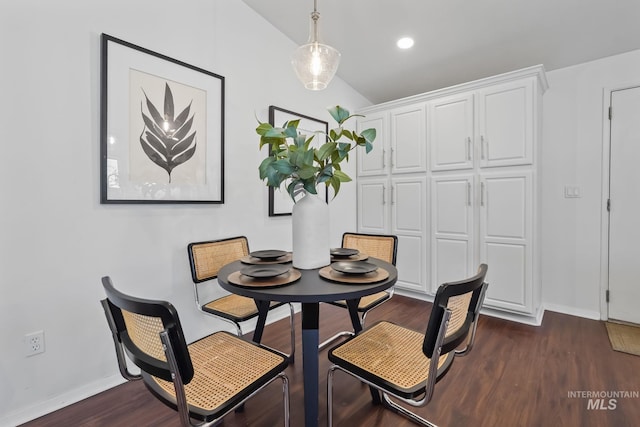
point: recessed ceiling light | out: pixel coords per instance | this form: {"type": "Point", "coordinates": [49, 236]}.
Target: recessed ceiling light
{"type": "Point", "coordinates": [405, 43]}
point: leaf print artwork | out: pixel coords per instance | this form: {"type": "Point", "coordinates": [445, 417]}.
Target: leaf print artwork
{"type": "Point", "coordinates": [165, 138]}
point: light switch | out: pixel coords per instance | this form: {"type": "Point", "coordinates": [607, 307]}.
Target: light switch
{"type": "Point", "coordinates": [571, 192]}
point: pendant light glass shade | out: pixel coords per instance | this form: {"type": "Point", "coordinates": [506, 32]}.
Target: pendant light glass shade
{"type": "Point", "coordinates": [315, 63]}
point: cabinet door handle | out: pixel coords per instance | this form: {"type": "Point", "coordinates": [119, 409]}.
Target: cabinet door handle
{"type": "Point", "coordinates": [468, 148]}
{"type": "Point", "coordinates": [482, 147]}
{"type": "Point", "coordinates": [468, 193]}
{"type": "Point", "coordinates": [384, 195]}
{"type": "Point", "coordinates": [482, 194]}
{"type": "Point", "coordinates": [391, 157]}
{"type": "Point", "coordinates": [393, 201]}
{"type": "Point", "coordinates": [384, 159]}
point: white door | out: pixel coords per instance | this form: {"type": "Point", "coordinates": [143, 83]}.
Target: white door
{"type": "Point", "coordinates": [408, 222]}
{"type": "Point", "coordinates": [408, 139]}
{"type": "Point", "coordinates": [452, 229]}
{"type": "Point", "coordinates": [373, 214]}
{"type": "Point", "coordinates": [624, 194]}
{"type": "Point", "coordinates": [506, 221]}
{"type": "Point", "coordinates": [451, 132]}
{"type": "Point", "coordinates": [505, 124]}
{"type": "Point", "coordinates": [374, 162]}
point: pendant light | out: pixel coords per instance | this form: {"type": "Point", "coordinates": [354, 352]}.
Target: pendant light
{"type": "Point", "coordinates": [315, 63]}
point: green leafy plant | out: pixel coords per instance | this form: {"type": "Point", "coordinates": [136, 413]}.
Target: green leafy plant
{"type": "Point", "coordinates": [294, 161]}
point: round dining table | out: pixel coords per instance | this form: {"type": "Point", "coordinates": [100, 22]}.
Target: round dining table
{"type": "Point", "coordinates": [310, 289]}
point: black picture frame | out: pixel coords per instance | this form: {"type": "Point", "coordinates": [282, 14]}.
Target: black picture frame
{"type": "Point", "coordinates": [161, 128]}
{"type": "Point", "coordinates": [280, 203]}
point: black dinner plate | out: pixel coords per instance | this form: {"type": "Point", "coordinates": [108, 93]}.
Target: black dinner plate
{"type": "Point", "coordinates": [354, 267]}
{"type": "Point", "coordinates": [344, 252]}
{"type": "Point", "coordinates": [269, 254]}
{"type": "Point", "coordinates": [265, 271]}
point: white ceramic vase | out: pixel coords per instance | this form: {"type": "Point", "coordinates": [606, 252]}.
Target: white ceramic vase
{"type": "Point", "coordinates": [310, 221]}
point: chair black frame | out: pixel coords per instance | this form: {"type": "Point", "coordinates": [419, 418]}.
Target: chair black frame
{"type": "Point", "coordinates": [363, 310]}
{"type": "Point", "coordinates": [226, 316]}
{"type": "Point", "coordinates": [178, 367]}
{"type": "Point", "coordinates": [435, 344]}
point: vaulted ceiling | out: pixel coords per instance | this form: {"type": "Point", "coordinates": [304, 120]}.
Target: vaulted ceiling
{"type": "Point", "coordinates": [456, 40]}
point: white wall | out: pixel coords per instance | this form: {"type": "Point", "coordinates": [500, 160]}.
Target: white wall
{"type": "Point", "coordinates": [572, 155]}
{"type": "Point", "coordinates": [57, 240]}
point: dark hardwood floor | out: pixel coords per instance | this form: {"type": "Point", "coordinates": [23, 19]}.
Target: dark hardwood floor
{"type": "Point", "coordinates": [516, 375]}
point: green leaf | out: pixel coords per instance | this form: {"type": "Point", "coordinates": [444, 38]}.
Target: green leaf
{"type": "Point", "coordinates": [263, 128]}
{"type": "Point", "coordinates": [339, 114]}
{"type": "Point", "coordinates": [284, 167]}
{"type": "Point", "coordinates": [307, 172]}
{"type": "Point", "coordinates": [335, 184]}
{"type": "Point", "coordinates": [265, 165]}
{"type": "Point", "coordinates": [326, 150]}
{"type": "Point", "coordinates": [369, 134]}
{"type": "Point", "coordinates": [341, 176]}
{"type": "Point", "coordinates": [310, 186]}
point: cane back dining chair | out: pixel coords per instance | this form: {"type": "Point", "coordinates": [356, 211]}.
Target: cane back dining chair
{"type": "Point", "coordinates": [206, 259]}
{"type": "Point", "coordinates": [381, 246]}
{"type": "Point", "coordinates": [396, 361]}
{"type": "Point", "coordinates": [204, 380]}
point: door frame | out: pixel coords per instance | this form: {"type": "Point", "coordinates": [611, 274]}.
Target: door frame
{"type": "Point", "coordinates": [604, 233]}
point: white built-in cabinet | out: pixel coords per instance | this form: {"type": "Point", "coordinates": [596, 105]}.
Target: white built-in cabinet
{"type": "Point", "coordinates": [454, 174]}
{"type": "Point", "coordinates": [392, 193]}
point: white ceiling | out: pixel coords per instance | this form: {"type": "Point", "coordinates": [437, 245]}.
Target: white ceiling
{"type": "Point", "coordinates": [456, 40]}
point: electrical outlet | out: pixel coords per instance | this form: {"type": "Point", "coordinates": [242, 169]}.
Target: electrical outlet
{"type": "Point", "coordinates": [34, 343]}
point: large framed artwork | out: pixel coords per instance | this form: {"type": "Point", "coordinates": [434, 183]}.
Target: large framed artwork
{"type": "Point", "coordinates": [162, 128]}
{"type": "Point", "coordinates": [280, 202]}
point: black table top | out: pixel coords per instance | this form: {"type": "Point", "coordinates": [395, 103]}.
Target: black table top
{"type": "Point", "coordinates": [310, 288]}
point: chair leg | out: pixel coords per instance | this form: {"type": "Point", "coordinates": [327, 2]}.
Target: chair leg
{"type": "Point", "coordinates": [389, 404]}
{"type": "Point", "coordinates": [293, 333]}
{"type": "Point", "coordinates": [285, 397]}
{"type": "Point", "coordinates": [330, 395]}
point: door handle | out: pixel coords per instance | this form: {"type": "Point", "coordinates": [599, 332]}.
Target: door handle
{"type": "Point", "coordinates": [393, 201]}
{"type": "Point", "coordinates": [468, 193]}
{"type": "Point", "coordinates": [384, 195]}
{"type": "Point", "coordinates": [384, 160]}
{"type": "Point", "coordinates": [468, 148]}
{"type": "Point", "coordinates": [482, 194]}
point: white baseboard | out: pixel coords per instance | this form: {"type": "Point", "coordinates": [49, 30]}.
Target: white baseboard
{"type": "Point", "coordinates": [572, 311]}
{"type": "Point", "coordinates": [67, 398]}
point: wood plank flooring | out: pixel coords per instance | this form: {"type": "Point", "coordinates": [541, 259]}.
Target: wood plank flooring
{"type": "Point", "coordinates": [516, 375]}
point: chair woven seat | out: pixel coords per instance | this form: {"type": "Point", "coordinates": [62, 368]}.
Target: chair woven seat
{"type": "Point", "coordinates": [235, 307]}
{"type": "Point", "coordinates": [390, 352]}
{"type": "Point", "coordinates": [226, 369]}
{"type": "Point", "coordinates": [367, 302]}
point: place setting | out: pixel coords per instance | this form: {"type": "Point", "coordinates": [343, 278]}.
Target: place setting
{"type": "Point", "coordinates": [355, 272]}
{"type": "Point", "coordinates": [347, 254]}
{"type": "Point", "coordinates": [267, 256]}
{"type": "Point", "coordinates": [265, 275]}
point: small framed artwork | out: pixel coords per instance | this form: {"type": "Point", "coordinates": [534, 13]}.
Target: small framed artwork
{"type": "Point", "coordinates": [280, 202]}
{"type": "Point", "coordinates": [162, 128]}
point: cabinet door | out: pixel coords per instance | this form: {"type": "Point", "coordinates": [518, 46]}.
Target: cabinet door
{"type": "Point", "coordinates": [373, 213]}
{"type": "Point", "coordinates": [408, 222]}
{"type": "Point", "coordinates": [506, 222]}
{"type": "Point", "coordinates": [374, 162]}
{"type": "Point", "coordinates": [452, 229]}
{"type": "Point", "coordinates": [505, 124]}
{"type": "Point", "coordinates": [451, 133]}
{"type": "Point", "coordinates": [408, 139]}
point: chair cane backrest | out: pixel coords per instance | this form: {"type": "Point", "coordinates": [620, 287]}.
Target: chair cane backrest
{"type": "Point", "coordinates": [207, 258]}
{"type": "Point", "coordinates": [464, 300]}
{"type": "Point", "coordinates": [137, 324]}
{"type": "Point", "coordinates": [379, 246]}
